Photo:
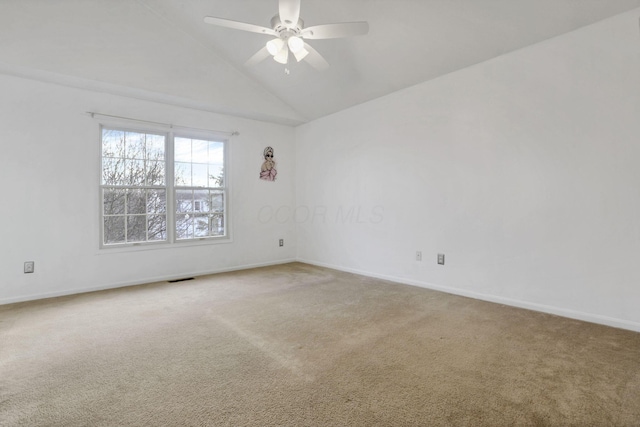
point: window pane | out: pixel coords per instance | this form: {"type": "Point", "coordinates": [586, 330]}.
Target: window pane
{"type": "Point", "coordinates": [217, 201]}
{"type": "Point", "coordinates": [157, 227]}
{"type": "Point", "coordinates": [156, 201]}
{"type": "Point", "coordinates": [155, 147]}
{"type": "Point", "coordinates": [155, 172]}
{"type": "Point", "coordinates": [201, 200]}
{"type": "Point", "coordinates": [216, 152]}
{"type": "Point", "coordinates": [200, 175]}
{"type": "Point", "coordinates": [182, 150]}
{"type": "Point", "coordinates": [184, 226]}
{"type": "Point", "coordinates": [136, 228]}
{"type": "Point", "coordinates": [113, 171]}
{"type": "Point", "coordinates": [216, 176]}
{"type": "Point", "coordinates": [114, 229]}
{"type": "Point", "coordinates": [112, 143]}
{"type": "Point", "coordinates": [134, 145]}
{"type": "Point", "coordinates": [201, 225]}
{"type": "Point", "coordinates": [217, 224]}
{"type": "Point", "coordinates": [136, 202]}
{"type": "Point", "coordinates": [199, 151]}
{"type": "Point", "coordinates": [113, 202]}
{"type": "Point", "coordinates": [134, 172]}
{"type": "Point", "coordinates": [183, 174]}
{"type": "Point", "coordinates": [184, 201]}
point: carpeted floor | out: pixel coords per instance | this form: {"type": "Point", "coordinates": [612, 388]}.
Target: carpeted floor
{"type": "Point", "coordinates": [298, 345]}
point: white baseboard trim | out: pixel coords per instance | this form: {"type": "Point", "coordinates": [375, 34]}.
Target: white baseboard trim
{"type": "Point", "coordinates": [572, 314]}
{"type": "Point", "coordinates": [558, 311]}
{"type": "Point", "coordinates": [148, 280]}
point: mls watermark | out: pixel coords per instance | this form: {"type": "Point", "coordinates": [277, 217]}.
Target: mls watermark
{"type": "Point", "coordinates": [319, 214]}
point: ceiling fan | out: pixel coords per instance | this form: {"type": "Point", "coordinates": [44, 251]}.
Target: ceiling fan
{"type": "Point", "coordinates": [290, 34]}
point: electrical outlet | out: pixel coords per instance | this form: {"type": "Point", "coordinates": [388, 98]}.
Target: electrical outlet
{"type": "Point", "coordinates": [29, 266]}
{"type": "Point", "coordinates": [418, 256]}
{"type": "Point", "coordinates": [281, 242]}
{"type": "Point", "coordinates": [441, 259]}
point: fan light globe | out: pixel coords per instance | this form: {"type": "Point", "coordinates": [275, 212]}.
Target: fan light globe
{"type": "Point", "coordinates": [300, 54]}
{"type": "Point", "coordinates": [282, 56]}
{"type": "Point", "coordinates": [296, 44]}
{"type": "Point", "coordinates": [274, 46]}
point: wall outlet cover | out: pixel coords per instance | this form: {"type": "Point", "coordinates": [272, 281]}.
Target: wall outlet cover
{"type": "Point", "coordinates": [29, 266]}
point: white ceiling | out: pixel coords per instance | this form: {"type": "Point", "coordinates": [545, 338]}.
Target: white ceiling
{"type": "Point", "coordinates": [162, 49]}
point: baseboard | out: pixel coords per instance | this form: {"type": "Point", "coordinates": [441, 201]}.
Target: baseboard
{"type": "Point", "coordinates": [558, 311]}
{"type": "Point", "coordinates": [155, 279]}
{"type": "Point", "coordinates": [572, 314]}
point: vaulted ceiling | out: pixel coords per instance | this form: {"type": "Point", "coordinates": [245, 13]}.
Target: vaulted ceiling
{"type": "Point", "coordinates": [162, 50]}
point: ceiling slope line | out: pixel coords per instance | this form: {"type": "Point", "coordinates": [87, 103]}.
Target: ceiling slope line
{"type": "Point", "coordinates": [139, 94]}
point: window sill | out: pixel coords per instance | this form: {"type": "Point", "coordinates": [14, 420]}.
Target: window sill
{"type": "Point", "coordinates": [154, 246]}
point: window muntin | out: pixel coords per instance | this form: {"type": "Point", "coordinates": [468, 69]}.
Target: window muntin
{"type": "Point", "coordinates": [136, 189]}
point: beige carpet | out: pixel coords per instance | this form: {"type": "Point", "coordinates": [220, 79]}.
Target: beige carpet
{"type": "Point", "coordinates": [297, 345]}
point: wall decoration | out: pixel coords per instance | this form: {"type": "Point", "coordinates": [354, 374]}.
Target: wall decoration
{"type": "Point", "coordinates": [268, 171]}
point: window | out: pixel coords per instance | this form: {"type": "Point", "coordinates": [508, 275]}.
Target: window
{"type": "Point", "coordinates": [199, 188]}
{"type": "Point", "coordinates": [144, 173]}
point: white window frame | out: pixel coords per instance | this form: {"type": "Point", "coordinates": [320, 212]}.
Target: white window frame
{"type": "Point", "coordinates": [170, 187]}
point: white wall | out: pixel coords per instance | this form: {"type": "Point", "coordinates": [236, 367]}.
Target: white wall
{"type": "Point", "coordinates": [523, 170]}
{"type": "Point", "coordinates": [49, 167]}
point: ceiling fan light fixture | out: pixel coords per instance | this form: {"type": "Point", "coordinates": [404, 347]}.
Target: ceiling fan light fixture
{"type": "Point", "coordinates": [275, 46]}
{"type": "Point", "coordinates": [300, 54]}
{"type": "Point", "coordinates": [289, 34]}
{"type": "Point", "coordinates": [282, 56]}
{"type": "Point", "coordinates": [296, 44]}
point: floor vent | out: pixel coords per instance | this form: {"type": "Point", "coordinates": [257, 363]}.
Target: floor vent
{"type": "Point", "coordinates": [180, 280]}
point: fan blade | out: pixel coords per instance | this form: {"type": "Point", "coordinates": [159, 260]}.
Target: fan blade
{"type": "Point", "coordinates": [333, 31]}
{"type": "Point", "coordinates": [238, 25]}
{"type": "Point", "coordinates": [289, 11]}
{"type": "Point", "coordinates": [259, 56]}
{"type": "Point", "coordinates": [315, 59]}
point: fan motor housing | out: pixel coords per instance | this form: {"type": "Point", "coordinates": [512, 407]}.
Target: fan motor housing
{"type": "Point", "coordinates": [283, 31]}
